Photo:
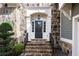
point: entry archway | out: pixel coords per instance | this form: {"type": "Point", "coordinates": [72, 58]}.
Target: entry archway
{"type": "Point", "coordinates": [39, 24]}
{"type": "Point", "coordinates": [39, 15]}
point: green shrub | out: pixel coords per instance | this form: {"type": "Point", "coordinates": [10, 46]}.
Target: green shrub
{"type": "Point", "coordinates": [18, 48]}
{"type": "Point", "coordinates": [6, 31]}
{"type": "Point", "coordinates": [6, 40]}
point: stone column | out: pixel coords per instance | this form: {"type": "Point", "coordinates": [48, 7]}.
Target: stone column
{"type": "Point", "coordinates": [23, 24]}
{"type": "Point", "coordinates": [55, 25]}
{"type": "Point", "coordinates": [18, 25]}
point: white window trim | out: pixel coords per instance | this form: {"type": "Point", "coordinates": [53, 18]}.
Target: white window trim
{"type": "Point", "coordinates": [66, 40]}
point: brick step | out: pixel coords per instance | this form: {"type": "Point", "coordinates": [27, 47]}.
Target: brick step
{"type": "Point", "coordinates": [41, 47]}
{"type": "Point", "coordinates": [44, 42]}
{"type": "Point", "coordinates": [33, 45]}
{"type": "Point", "coordinates": [38, 50]}
{"type": "Point", "coordinates": [38, 43]}
{"type": "Point", "coordinates": [38, 54]}
{"type": "Point", "coordinates": [38, 47]}
{"type": "Point", "coordinates": [42, 52]}
{"type": "Point", "coordinates": [38, 39]}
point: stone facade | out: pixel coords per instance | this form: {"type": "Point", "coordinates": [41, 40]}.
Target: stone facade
{"type": "Point", "coordinates": [10, 14]}
{"type": "Point", "coordinates": [66, 48]}
{"type": "Point", "coordinates": [18, 17]}
{"type": "Point", "coordinates": [55, 27]}
{"type": "Point", "coordinates": [23, 23]}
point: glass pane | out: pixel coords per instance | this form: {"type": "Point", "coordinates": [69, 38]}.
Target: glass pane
{"type": "Point", "coordinates": [44, 26]}
{"type": "Point", "coordinates": [32, 26]}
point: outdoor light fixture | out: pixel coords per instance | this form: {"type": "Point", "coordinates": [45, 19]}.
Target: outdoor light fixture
{"type": "Point", "coordinates": [5, 4]}
{"type": "Point", "coordinates": [38, 17]}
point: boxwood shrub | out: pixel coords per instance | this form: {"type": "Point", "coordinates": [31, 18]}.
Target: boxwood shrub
{"type": "Point", "coordinates": [18, 48]}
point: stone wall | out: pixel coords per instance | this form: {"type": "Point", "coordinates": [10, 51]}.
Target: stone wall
{"type": "Point", "coordinates": [23, 24]}
{"type": "Point", "coordinates": [66, 48]}
{"type": "Point", "coordinates": [55, 33]}
{"type": "Point", "coordinates": [7, 14]}
{"type": "Point", "coordinates": [55, 28]}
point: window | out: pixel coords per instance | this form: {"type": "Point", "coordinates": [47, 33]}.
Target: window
{"type": "Point", "coordinates": [38, 4]}
{"type": "Point", "coordinates": [7, 14]}
{"type": "Point", "coordinates": [44, 26]}
{"type": "Point", "coordinates": [27, 4]}
{"type": "Point", "coordinates": [32, 26]}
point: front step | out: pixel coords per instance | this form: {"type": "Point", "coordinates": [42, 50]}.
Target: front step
{"type": "Point", "coordinates": [38, 43]}
{"type": "Point", "coordinates": [38, 54]}
{"type": "Point", "coordinates": [38, 40]}
{"type": "Point", "coordinates": [38, 47]}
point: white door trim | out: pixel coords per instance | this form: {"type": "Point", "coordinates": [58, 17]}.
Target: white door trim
{"type": "Point", "coordinates": [43, 33]}
{"type": "Point", "coordinates": [74, 35]}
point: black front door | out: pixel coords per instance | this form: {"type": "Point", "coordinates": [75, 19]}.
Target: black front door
{"type": "Point", "coordinates": [38, 29]}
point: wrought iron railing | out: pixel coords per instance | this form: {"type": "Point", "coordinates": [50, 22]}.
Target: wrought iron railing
{"type": "Point", "coordinates": [26, 39]}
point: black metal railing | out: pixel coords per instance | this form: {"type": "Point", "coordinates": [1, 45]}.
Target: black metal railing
{"type": "Point", "coordinates": [26, 39]}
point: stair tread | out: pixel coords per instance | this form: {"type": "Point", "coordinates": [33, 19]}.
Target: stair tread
{"type": "Point", "coordinates": [38, 50]}
{"type": "Point", "coordinates": [39, 47]}
{"type": "Point", "coordinates": [38, 54]}
{"type": "Point", "coordinates": [45, 47]}
{"type": "Point", "coordinates": [38, 43]}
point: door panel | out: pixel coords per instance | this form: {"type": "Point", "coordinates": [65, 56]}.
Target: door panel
{"type": "Point", "coordinates": [38, 29]}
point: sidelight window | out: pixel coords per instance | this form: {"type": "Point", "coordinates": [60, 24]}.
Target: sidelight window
{"type": "Point", "coordinates": [32, 26]}
{"type": "Point", "coordinates": [44, 26]}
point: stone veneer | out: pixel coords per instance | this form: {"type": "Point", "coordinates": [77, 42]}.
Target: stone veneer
{"type": "Point", "coordinates": [55, 33]}
{"type": "Point", "coordinates": [55, 27]}
{"type": "Point", "coordinates": [66, 48]}
{"type": "Point", "coordinates": [11, 17]}
{"type": "Point", "coordinates": [23, 23]}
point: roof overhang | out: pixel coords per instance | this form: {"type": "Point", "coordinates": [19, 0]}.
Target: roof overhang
{"type": "Point", "coordinates": [9, 5]}
{"type": "Point", "coordinates": [61, 5]}
{"type": "Point", "coordinates": [1, 5]}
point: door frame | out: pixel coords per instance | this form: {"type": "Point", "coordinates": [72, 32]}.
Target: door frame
{"type": "Point", "coordinates": [42, 26]}
{"type": "Point", "coordinates": [74, 35]}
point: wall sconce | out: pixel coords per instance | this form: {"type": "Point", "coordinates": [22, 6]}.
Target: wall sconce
{"type": "Point", "coordinates": [38, 17]}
